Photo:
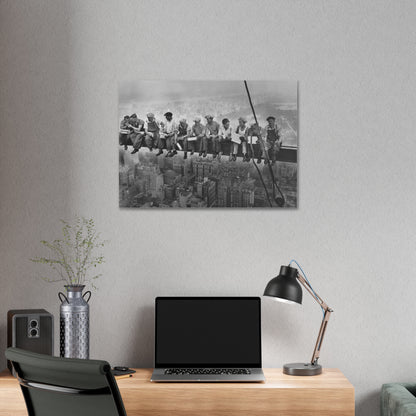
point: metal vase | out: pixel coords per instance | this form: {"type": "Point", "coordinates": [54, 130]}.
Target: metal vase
{"type": "Point", "coordinates": [75, 322]}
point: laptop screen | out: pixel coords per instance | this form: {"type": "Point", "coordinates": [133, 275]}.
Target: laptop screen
{"type": "Point", "coordinates": [208, 332]}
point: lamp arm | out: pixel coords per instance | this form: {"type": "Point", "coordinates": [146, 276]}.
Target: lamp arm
{"type": "Point", "coordinates": [327, 314]}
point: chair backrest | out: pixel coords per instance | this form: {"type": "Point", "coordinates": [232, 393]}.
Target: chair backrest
{"type": "Point", "coordinates": [66, 386]}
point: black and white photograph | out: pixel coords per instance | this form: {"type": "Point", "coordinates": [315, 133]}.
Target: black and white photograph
{"type": "Point", "coordinates": [208, 144]}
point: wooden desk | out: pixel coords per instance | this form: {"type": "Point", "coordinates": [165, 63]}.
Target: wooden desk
{"type": "Point", "coordinates": [329, 394]}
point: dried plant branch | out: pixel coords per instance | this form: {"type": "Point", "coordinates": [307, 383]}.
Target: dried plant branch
{"type": "Point", "coordinates": [72, 256]}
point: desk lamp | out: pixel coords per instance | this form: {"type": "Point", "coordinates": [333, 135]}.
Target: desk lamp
{"type": "Point", "coordinates": [286, 288]}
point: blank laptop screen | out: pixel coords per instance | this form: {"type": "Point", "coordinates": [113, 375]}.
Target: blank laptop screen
{"type": "Point", "coordinates": [208, 332]}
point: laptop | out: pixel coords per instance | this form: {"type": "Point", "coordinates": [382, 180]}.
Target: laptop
{"type": "Point", "coordinates": [207, 339]}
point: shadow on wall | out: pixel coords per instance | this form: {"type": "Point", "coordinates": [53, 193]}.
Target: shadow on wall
{"type": "Point", "coordinates": [36, 192]}
{"type": "Point", "coordinates": [3, 336]}
{"type": "Point", "coordinates": [366, 405]}
{"type": "Point", "coordinates": [144, 339]}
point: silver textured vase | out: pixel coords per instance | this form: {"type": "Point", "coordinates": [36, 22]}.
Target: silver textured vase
{"type": "Point", "coordinates": [74, 322]}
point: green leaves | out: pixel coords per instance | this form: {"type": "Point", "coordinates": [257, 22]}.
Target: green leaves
{"type": "Point", "coordinates": [73, 256]}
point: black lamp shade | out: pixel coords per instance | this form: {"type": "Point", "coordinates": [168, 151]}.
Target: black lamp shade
{"type": "Point", "coordinates": [285, 286]}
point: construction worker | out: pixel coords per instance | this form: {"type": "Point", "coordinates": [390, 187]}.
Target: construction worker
{"type": "Point", "coordinates": [241, 132]}
{"type": "Point", "coordinates": [255, 131]}
{"type": "Point", "coordinates": [137, 132]}
{"type": "Point", "coordinates": [272, 140]}
{"type": "Point", "coordinates": [183, 135]}
{"type": "Point", "coordinates": [203, 144]}
{"type": "Point", "coordinates": [168, 136]}
{"type": "Point", "coordinates": [225, 133]}
{"type": "Point", "coordinates": [124, 133]}
{"type": "Point", "coordinates": [211, 132]}
{"type": "Point", "coordinates": [198, 132]}
{"type": "Point", "coordinates": [151, 129]}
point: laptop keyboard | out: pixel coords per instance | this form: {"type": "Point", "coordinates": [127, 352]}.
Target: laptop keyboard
{"type": "Point", "coordinates": [207, 371]}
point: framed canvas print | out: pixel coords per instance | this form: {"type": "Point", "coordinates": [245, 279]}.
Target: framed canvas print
{"type": "Point", "coordinates": [208, 144]}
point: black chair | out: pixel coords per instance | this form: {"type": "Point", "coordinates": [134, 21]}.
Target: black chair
{"type": "Point", "coordinates": [55, 386]}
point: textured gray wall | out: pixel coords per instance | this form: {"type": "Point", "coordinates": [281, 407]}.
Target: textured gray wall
{"type": "Point", "coordinates": [353, 231]}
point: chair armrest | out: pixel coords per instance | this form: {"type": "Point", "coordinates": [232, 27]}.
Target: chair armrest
{"type": "Point", "coordinates": [397, 399]}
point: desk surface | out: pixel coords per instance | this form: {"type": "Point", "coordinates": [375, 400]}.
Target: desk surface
{"type": "Point", "coordinates": [328, 394]}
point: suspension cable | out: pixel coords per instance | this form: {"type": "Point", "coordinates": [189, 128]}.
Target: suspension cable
{"type": "Point", "coordinates": [279, 200]}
